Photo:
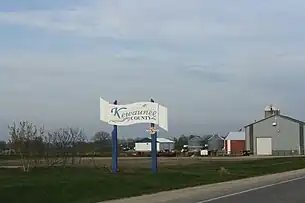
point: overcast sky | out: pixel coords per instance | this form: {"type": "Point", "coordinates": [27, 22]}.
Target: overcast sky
{"type": "Point", "coordinates": [214, 64]}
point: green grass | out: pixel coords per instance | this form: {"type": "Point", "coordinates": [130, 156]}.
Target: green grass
{"type": "Point", "coordinates": [88, 185]}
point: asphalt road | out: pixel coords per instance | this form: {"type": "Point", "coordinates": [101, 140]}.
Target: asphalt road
{"type": "Point", "coordinates": [289, 191]}
{"type": "Point", "coordinates": [287, 187]}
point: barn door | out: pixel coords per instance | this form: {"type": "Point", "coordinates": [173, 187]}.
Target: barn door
{"type": "Point", "coordinates": [264, 146]}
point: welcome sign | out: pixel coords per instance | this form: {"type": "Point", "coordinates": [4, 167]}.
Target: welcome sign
{"type": "Point", "coordinates": [129, 114]}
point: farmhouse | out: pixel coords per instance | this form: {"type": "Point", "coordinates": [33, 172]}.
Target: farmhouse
{"type": "Point", "coordinates": [163, 144]}
{"type": "Point", "coordinates": [235, 143]}
{"type": "Point", "coordinates": [275, 134]}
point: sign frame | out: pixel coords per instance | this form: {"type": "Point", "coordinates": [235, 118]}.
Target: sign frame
{"type": "Point", "coordinates": [143, 112]}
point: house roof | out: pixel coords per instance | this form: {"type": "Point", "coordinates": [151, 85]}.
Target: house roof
{"type": "Point", "coordinates": [159, 139]}
{"type": "Point", "coordinates": [216, 136]}
{"type": "Point", "coordinates": [164, 140]}
{"type": "Point", "coordinates": [282, 116]}
{"type": "Point", "coordinates": [236, 136]}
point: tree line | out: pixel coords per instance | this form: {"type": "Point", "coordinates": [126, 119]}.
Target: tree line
{"type": "Point", "coordinates": [72, 138]}
{"type": "Point", "coordinates": [62, 146]}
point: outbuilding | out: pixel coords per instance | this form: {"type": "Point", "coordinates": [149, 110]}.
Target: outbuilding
{"type": "Point", "coordinates": [276, 134]}
{"type": "Point", "coordinates": [215, 143]}
{"type": "Point", "coordinates": [195, 144]}
{"type": "Point", "coordinates": [163, 144]}
{"type": "Point", "coordinates": [235, 143]}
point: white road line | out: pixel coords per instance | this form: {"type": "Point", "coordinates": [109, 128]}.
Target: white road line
{"type": "Point", "coordinates": [250, 190]}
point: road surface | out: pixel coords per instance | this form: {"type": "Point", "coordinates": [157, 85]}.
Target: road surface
{"type": "Point", "coordinates": [287, 187]}
{"type": "Point", "coordinates": [289, 191]}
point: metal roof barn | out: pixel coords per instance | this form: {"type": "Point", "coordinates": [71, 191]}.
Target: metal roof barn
{"type": "Point", "coordinates": [236, 136]}
{"type": "Point", "coordinates": [277, 135]}
{"type": "Point", "coordinates": [235, 143]}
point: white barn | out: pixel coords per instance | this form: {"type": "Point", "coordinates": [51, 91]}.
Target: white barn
{"type": "Point", "coordinates": [163, 144]}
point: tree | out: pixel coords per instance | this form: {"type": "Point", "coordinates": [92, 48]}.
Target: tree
{"type": "Point", "coordinates": [78, 139]}
{"type": "Point", "coordinates": [2, 145]}
{"type": "Point", "coordinates": [64, 143]}
{"type": "Point", "coordinates": [101, 136]}
{"type": "Point", "coordinates": [25, 139]}
{"type": "Point", "coordinates": [180, 141]}
{"type": "Point", "coordinates": [102, 141]}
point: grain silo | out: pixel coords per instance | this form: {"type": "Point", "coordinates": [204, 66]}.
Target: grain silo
{"type": "Point", "coordinates": [195, 144]}
{"type": "Point", "coordinates": [271, 110]}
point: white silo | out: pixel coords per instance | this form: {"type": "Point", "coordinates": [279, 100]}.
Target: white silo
{"type": "Point", "coordinates": [271, 110]}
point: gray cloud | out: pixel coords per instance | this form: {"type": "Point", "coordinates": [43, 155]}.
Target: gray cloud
{"type": "Point", "coordinates": [214, 65]}
{"type": "Point", "coordinates": [210, 74]}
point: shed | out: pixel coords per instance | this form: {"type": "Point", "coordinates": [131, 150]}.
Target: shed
{"type": "Point", "coordinates": [163, 144]}
{"type": "Point", "coordinates": [235, 143]}
{"type": "Point", "coordinates": [275, 135]}
{"type": "Point", "coordinates": [215, 143]}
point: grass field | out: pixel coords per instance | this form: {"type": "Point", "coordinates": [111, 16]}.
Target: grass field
{"type": "Point", "coordinates": [89, 185]}
{"type": "Point", "coordinates": [139, 162]}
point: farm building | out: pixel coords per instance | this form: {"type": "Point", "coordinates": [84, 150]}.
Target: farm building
{"type": "Point", "coordinates": [215, 143]}
{"type": "Point", "coordinates": [195, 144]}
{"type": "Point", "coordinates": [235, 143]}
{"type": "Point", "coordinates": [275, 134]}
{"type": "Point", "coordinates": [163, 144]}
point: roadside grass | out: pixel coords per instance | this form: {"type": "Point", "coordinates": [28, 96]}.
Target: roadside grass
{"type": "Point", "coordinates": [90, 185]}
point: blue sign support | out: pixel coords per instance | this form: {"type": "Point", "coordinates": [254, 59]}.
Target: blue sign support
{"type": "Point", "coordinates": [154, 157]}
{"type": "Point", "coordinates": [115, 146]}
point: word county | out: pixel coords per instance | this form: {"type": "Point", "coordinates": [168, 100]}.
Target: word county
{"type": "Point", "coordinates": [139, 115]}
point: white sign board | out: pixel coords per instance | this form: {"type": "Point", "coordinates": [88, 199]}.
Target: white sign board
{"type": "Point", "coordinates": [129, 114]}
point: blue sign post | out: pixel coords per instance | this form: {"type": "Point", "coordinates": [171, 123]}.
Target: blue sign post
{"type": "Point", "coordinates": [154, 157]}
{"type": "Point", "coordinates": [115, 146]}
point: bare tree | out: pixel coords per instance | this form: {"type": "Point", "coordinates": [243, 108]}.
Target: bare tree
{"type": "Point", "coordinates": [51, 155]}
{"type": "Point", "coordinates": [65, 143]}
{"type": "Point", "coordinates": [2, 146]}
{"type": "Point", "coordinates": [25, 139]}
{"type": "Point", "coordinates": [102, 141]}
{"type": "Point", "coordinates": [101, 136]}
{"type": "Point", "coordinates": [77, 140]}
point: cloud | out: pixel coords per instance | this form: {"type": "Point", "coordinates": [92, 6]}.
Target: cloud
{"type": "Point", "coordinates": [211, 62]}
{"type": "Point", "coordinates": [172, 22]}
{"type": "Point", "coordinates": [163, 21]}
{"type": "Point", "coordinates": [211, 74]}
